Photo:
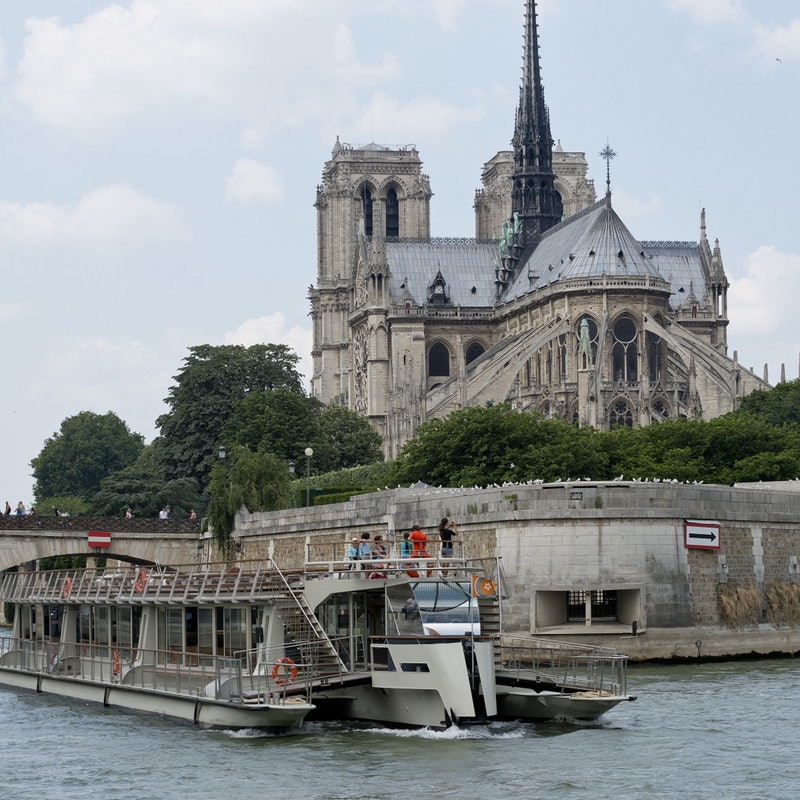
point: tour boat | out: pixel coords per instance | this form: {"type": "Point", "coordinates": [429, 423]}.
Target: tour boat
{"type": "Point", "coordinates": [413, 643]}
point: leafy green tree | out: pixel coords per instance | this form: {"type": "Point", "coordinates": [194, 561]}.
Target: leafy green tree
{"type": "Point", "coordinates": [281, 422]}
{"type": "Point", "coordinates": [204, 395]}
{"type": "Point", "coordinates": [778, 406]}
{"type": "Point", "coordinates": [87, 448]}
{"type": "Point", "coordinates": [672, 449]}
{"type": "Point", "coordinates": [145, 495]}
{"type": "Point", "coordinates": [66, 504]}
{"type": "Point", "coordinates": [480, 446]}
{"type": "Point", "coordinates": [740, 446]}
{"type": "Point", "coordinates": [352, 439]}
{"type": "Point", "coordinates": [255, 481]}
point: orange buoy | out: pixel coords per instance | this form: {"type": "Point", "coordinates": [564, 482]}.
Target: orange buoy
{"type": "Point", "coordinates": [286, 669]}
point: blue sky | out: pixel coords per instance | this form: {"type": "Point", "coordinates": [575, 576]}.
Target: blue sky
{"type": "Point", "coordinates": [159, 158]}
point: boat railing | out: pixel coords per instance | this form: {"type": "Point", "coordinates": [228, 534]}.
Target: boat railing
{"type": "Point", "coordinates": [326, 558]}
{"type": "Point", "coordinates": [273, 673]}
{"type": "Point", "coordinates": [571, 666]}
{"type": "Point", "coordinates": [151, 584]}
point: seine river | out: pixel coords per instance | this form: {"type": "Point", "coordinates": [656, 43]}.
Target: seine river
{"type": "Point", "coordinates": [697, 731]}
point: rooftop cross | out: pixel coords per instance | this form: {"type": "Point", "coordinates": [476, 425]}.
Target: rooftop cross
{"type": "Point", "coordinates": [607, 153]}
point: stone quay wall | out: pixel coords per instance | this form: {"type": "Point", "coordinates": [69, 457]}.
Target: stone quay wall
{"type": "Point", "coordinates": [624, 538]}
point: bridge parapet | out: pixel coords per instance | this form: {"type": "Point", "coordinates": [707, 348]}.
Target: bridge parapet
{"type": "Point", "coordinates": [13, 522]}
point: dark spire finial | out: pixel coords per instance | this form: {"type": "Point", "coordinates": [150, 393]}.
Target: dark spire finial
{"type": "Point", "coordinates": [534, 197]}
{"type": "Point", "coordinates": [607, 154]}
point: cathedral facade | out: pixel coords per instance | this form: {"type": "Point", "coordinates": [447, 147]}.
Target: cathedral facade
{"type": "Point", "coordinates": [554, 306]}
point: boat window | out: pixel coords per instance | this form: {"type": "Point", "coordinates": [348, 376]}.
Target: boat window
{"type": "Point", "coordinates": [447, 608]}
{"type": "Point", "coordinates": [102, 628]}
{"type": "Point", "coordinates": [236, 622]}
{"type": "Point", "coordinates": [205, 631]}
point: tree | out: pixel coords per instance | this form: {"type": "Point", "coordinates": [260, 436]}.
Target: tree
{"type": "Point", "coordinates": [87, 448]}
{"type": "Point", "coordinates": [480, 446]}
{"type": "Point", "coordinates": [255, 481]}
{"type": "Point", "coordinates": [145, 495]}
{"type": "Point", "coordinates": [778, 406]}
{"type": "Point", "coordinates": [277, 421]}
{"type": "Point", "coordinates": [204, 395]}
{"type": "Point", "coordinates": [352, 439]}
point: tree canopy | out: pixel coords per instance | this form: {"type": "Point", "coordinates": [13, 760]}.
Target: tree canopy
{"type": "Point", "coordinates": [211, 381]}
{"type": "Point", "coordinates": [255, 481]}
{"type": "Point", "coordinates": [479, 446]}
{"type": "Point", "coordinates": [353, 441]}
{"type": "Point", "coordinates": [778, 406]}
{"type": "Point", "coordinates": [87, 448]}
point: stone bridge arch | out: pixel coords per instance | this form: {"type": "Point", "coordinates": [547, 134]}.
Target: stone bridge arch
{"type": "Point", "coordinates": [140, 541]}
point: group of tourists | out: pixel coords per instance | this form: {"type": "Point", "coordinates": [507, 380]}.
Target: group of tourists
{"type": "Point", "coordinates": [19, 511]}
{"type": "Point", "coordinates": [365, 551]}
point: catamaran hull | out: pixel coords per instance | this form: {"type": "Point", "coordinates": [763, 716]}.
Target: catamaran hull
{"type": "Point", "coordinates": [203, 712]}
{"type": "Point", "coordinates": [520, 703]}
{"type": "Point", "coordinates": [406, 708]}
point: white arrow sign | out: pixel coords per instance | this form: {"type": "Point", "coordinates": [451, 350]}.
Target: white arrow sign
{"type": "Point", "coordinates": [701, 533]}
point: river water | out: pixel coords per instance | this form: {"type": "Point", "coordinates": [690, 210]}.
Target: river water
{"type": "Point", "coordinates": [721, 730]}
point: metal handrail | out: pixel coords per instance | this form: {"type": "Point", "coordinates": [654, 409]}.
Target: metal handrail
{"type": "Point", "coordinates": [245, 677]}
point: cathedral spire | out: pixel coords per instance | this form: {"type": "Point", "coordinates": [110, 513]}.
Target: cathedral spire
{"type": "Point", "coordinates": [534, 197]}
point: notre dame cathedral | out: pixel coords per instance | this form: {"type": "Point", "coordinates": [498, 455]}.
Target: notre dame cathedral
{"type": "Point", "coordinates": [554, 306]}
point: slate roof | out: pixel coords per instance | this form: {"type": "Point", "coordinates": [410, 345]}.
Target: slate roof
{"type": "Point", "coordinates": [591, 244]}
{"type": "Point", "coordinates": [466, 265]}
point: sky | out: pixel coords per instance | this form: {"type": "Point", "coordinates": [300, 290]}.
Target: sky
{"type": "Point", "coordinates": [159, 161]}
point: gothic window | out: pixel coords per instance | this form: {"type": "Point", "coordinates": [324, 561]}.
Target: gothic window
{"type": "Point", "coordinates": [366, 200]}
{"type": "Point", "coordinates": [562, 356]}
{"type": "Point", "coordinates": [549, 363]}
{"type": "Point", "coordinates": [625, 353]}
{"type": "Point", "coordinates": [591, 335]}
{"type": "Point", "coordinates": [620, 415]}
{"type": "Point", "coordinates": [660, 410]}
{"type": "Point", "coordinates": [438, 361]}
{"type": "Point", "coordinates": [655, 357]}
{"type": "Point", "coordinates": [392, 214]}
{"type": "Point", "coordinates": [473, 351]}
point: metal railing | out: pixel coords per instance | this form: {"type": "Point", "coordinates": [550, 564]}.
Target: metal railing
{"type": "Point", "coordinates": [262, 674]}
{"type": "Point", "coordinates": [571, 666]}
{"type": "Point", "coordinates": [153, 584]}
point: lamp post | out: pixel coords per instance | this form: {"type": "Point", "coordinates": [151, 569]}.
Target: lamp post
{"type": "Point", "coordinates": [291, 477]}
{"type": "Point", "coordinates": [309, 453]}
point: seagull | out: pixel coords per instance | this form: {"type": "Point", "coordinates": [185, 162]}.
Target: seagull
{"type": "Point", "coordinates": [778, 60]}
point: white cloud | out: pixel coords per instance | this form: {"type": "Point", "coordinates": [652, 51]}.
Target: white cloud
{"type": "Point", "coordinates": [100, 216]}
{"type": "Point", "coordinates": [271, 329]}
{"type": "Point", "coordinates": [253, 182]}
{"type": "Point", "coordinates": [778, 43]}
{"type": "Point", "coordinates": [765, 299]}
{"type": "Point", "coordinates": [423, 117]}
{"type": "Point", "coordinates": [120, 59]}
{"type": "Point", "coordinates": [632, 207]}
{"type": "Point", "coordinates": [711, 12]}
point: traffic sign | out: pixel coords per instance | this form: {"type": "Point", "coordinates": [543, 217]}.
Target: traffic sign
{"type": "Point", "coordinates": [702, 534]}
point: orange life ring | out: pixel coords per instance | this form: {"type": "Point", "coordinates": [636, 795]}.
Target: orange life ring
{"type": "Point", "coordinates": [285, 667]}
{"type": "Point", "coordinates": [115, 663]}
{"type": "Point", "coordinates": [67, 587]}
{"type": "Point", "coordinates": [141, 581]}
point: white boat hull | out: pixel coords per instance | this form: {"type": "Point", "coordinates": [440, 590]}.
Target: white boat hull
{"type": "Point", "coordinates": [204, 712]}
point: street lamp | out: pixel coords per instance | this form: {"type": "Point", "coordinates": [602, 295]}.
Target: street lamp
{"type": "Point", "coordinates": [291, 474]}
{"type": "Point", "coordinates": [309, 453]}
